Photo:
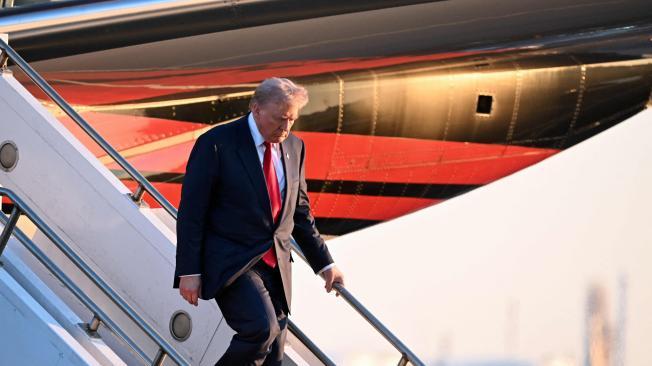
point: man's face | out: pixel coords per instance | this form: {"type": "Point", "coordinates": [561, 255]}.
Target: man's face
{"type": "Point", "coordinates": [274, 121]}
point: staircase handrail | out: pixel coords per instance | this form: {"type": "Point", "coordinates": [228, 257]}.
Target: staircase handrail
{"type": "Point", "coordinates": [406, 354]}
{"type": "Point", "coordinates": [21, 208]}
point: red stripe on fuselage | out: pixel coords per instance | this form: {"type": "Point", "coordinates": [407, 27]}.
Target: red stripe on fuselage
{"type": "Point", "coordinates": [324, 205]}
{"type": "Point", "coordinates": [125, 132]}
{"type": "Point", "coordinates": [332, 157]}
{"type": "Point", "coordinates": [365, 207]}
{"type": "Point", "coordinates": [6, 201]}
{"type": "Point", "coordinates": [382, 159]}
{"type": "Point", "coordinates": [405, 160]}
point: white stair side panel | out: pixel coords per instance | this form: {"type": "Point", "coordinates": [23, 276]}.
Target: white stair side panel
{"type": "Point", "coordinates": [129, 247]}
{"type": "Point", "coordinates": [33, 285]}
{"type": "Point", "coordinates": [30, 336]}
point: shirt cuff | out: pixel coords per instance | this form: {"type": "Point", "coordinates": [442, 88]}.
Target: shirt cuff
{"type": "Point", "coordinates": [196, 274]}
{"type": "Point", "coordinates": [325, 268]}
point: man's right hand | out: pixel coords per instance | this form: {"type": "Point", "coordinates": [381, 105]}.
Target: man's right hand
{"type": "Point", "coordinates": [189, 288]}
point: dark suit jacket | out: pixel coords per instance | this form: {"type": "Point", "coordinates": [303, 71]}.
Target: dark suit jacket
{"type": "Point", "coordinates": [225, 222]}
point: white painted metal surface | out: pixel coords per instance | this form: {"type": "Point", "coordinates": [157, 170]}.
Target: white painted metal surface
{"type": "Point", "coordinates": [30, 336]}
{"type": "Point", "coordinates": [129, 247]}
{"type": "Point", "coordinates": [56, 308]}
{"type": "Point", "coordinates": [36, 290]}
{"type": "Point", "coordinates": [504, 272]}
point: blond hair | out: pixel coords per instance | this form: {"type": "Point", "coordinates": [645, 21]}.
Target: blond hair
{"type": "Point", "coordinates": [279, 90]}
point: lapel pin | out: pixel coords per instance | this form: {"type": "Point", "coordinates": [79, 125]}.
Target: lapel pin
{"type": "Point", "coordinates": [287, 155]}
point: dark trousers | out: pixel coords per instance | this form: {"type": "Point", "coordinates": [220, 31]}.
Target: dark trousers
{"type": "Point", "coordinates": [252, 306]}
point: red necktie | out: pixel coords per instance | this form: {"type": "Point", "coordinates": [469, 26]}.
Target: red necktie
{"type": "Point", "coordinates": [274, 198]}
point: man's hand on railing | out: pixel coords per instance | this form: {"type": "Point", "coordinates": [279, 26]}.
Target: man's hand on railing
{"type": "Point", "coordinates": [332, 276]}
{"type": "Point", "coordinates": [189, 288]}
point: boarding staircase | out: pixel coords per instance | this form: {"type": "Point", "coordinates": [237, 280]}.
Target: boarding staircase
{"type": "Point", "coordinates": [93, 250]}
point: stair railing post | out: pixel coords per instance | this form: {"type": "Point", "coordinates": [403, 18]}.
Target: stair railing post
{"type": "Point", "coordinates": [138, 195]}
{"type": "Point", "coordinates": [403, 361]}
{"type": "Point", "coordinates": [160, 358]}
{"type": "Point", "coordinates": [91, 327]}
{"type": "Point", "coordinates": [94, 324]}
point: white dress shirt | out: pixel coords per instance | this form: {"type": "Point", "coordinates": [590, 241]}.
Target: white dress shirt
{"type": "Point", "coordinates": [259, 142]}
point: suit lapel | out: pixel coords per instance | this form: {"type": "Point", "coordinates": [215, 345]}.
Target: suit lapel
{"type": "Point", "coordinates": [288, 169]}
{"type": "Point", "coordinates": [249, 156]}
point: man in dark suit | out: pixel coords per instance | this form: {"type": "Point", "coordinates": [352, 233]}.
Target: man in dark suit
{"type": "Point", "coordinates": [243, 195]}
